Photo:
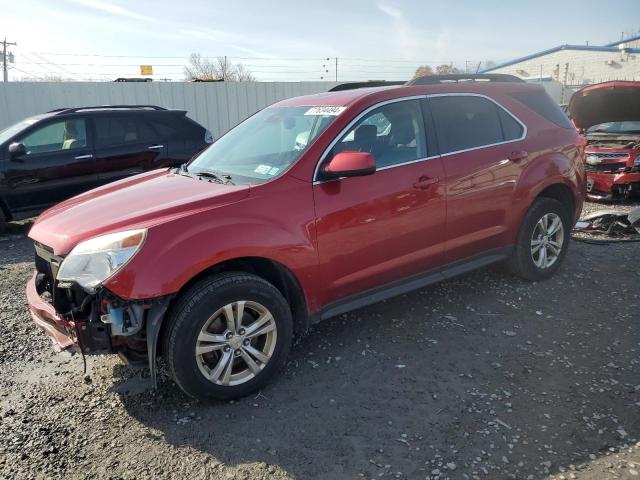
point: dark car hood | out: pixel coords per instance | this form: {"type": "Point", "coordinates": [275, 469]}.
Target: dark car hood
{"type": "Point", "coordinates": [136, 202]}
{"type": "Point", "coordinates": [605, 102]}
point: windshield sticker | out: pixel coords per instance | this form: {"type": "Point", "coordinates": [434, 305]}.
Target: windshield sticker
{"type": "Point", "coordinates": [262, 169]}
{"type": "Point", "coordinates": [273, 170]}
{"type": "Point", "coordinates": [327, 110]}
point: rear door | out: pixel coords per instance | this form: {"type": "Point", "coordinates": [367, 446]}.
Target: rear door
{"type": "Point", "coordinates": [182, 136]}
{"type": "Point", "coordinates": [59, 164]}
{"type": "Point", "coordinates": [375, 229]}
{"type": "Point", "coordinates": [126, 145]}
{"type": "Point", "coordinates": [481, 145]}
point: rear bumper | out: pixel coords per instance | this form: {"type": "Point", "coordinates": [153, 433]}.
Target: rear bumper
{"type": "Point", "coordinates": [61, 332]}
{"type": "Point", "coordinates": [608, 185]}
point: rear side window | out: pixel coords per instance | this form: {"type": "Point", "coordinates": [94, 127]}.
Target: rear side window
{"type": "Point", "coordinates": [122, 130]}
{"type": "Point", "coordinates": [464, 122]}
{"type": "Point", "coordinates": [541, 103]}
{"type": "Point", "coordinates": [511, 129]}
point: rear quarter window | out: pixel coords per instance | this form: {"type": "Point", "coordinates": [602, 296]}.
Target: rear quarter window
{"type": "Point", "coordinates": [541, 103]}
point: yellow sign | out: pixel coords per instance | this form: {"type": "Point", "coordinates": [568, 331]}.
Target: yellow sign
{"type": "Point", "coordinates": [146, 69]}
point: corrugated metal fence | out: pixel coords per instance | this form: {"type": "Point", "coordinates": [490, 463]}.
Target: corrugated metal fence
{"type": "Point", "coordinates": [218, 106]}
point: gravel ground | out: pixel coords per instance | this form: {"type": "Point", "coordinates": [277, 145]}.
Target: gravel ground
{"type": "Point", "coordinates": [484, 376]}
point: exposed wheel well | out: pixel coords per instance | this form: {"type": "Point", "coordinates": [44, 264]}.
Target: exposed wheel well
{"type": "Point", "coordinates": [273, 272]}
{"type": "Point", "coordinates": [563, 194]}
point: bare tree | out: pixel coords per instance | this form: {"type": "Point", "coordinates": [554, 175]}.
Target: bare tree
{"type": "Point", "coordinates": [201, 68]}
{"type": "Point", "coordinates": [423, 71]}
{"type": "Point", "coordinates": [447, 69]}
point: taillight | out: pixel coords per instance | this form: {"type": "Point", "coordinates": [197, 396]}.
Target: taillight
{"type": "Point", "coordinates": [581, 144]}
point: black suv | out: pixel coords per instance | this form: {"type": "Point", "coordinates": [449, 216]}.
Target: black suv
{"type": "Point", "coordinates": [48, 158]}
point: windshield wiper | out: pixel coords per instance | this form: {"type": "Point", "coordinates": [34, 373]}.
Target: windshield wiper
{"type": "Point", "coordinates": [221, 178]}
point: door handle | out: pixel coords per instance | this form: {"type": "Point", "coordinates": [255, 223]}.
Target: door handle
{"type": "Point", "coordinates": [424, 182]}
{"type": "Point", "coordinates": [518, 155]}
{"type": "Point", "coordinates": [83, 157]}
{"type": "Point", "coordinates": [155, 147]}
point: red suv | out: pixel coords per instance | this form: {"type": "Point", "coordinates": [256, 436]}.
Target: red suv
{"type": "Point", "coordinates": [312, 207]}
{"type": "Point", "coordinates": [609, 115]}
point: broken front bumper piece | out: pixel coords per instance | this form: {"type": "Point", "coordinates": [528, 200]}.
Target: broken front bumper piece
{"type": "Point", "coordinates": [613, 223]}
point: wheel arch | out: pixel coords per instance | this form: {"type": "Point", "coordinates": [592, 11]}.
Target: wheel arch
{"type": "Point", "coordinates": [270, 270]}
{"type": "Point", "coordinates": [563, 193]}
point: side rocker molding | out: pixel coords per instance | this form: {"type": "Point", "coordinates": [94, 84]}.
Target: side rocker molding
{"type": "Point", "coordinates": [412, 283]}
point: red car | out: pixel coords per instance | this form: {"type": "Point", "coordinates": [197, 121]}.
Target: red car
{"type": "Point", "coordinates": [312, 207]}
{"type": "Point", "coordinates": [609, 115]}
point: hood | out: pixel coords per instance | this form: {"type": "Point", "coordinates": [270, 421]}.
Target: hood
{"type": "Point", "coordinates": [605, 102]}
{"type": "Point", "coordinates": [136, 202]}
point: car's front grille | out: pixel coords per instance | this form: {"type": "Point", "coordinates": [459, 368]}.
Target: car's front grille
{"type": "Point", "coordinates": [605, 167]}
{"type": "Point", "coordinates": [607, 155]}
{"type": "Point", "coordinates": [47, 265]}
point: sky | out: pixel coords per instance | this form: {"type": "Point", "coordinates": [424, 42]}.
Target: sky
{"type": "Point", "coordinates": [292, 40]}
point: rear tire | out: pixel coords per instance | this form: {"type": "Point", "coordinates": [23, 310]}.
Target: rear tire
{"type": "Point", "coordinates": [543, 240]}
{"type": "Point", "coordinates": [227, 336]}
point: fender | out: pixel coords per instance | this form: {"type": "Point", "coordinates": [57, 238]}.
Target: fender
{"type": "Point", "coordinates": [177, 251]}
{"type": "Point", "coordinates": [543, 171]}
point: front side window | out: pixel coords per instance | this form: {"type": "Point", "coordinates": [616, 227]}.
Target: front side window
{"type": "Point", "coordinates": [393, 133]}
{"type": "Point", "coordinates": [464, 122]}
{"type": "Point", "coordinates": [266, 144]}
{"type": "Point", "coordinates": [16, 128]}
{"type": "Point", "coordinates": [56, 136]}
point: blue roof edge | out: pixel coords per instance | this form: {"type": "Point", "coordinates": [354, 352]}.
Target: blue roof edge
{"type": "Point", "coordinates": [594, 48]}
{"type": "Point", "coordinates": [630, 39]}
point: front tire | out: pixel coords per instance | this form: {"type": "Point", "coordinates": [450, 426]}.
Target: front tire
{"type": "Point", "coordinates": [227, 336]}
{"type": "Point", "coordinates": [543, 240]}
{"type": "Point", "coordinates": [3, 222]}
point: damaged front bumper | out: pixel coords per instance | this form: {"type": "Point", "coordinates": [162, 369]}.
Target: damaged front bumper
{"type": "Point", "coordinates": [61, 332]}
{"type": "Point", "coordinates": [608, 186]}
{"type": "Point", "coordinates": [96, 323]}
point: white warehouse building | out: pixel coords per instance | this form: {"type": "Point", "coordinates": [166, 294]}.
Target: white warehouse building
{"type": "Point", "coordinates": [576, 65]}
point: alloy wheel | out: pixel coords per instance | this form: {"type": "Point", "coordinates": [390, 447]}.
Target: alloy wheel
{"type": "Point", "coordinates": [547, 240]}
{"type": "Point", "coordinates": [236, 343]}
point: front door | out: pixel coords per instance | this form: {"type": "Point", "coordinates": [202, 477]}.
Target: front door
{"type": "Point", "coordinates": [58, 164]}
{"type": "Point", "coordinates": [375, 229]}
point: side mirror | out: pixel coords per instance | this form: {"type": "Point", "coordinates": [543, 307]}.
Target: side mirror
{"type": "Point", "coordinates": [349, 164]}
{"type": "Point", "coordinates": [17, 149]}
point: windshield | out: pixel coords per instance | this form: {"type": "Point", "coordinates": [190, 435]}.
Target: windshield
{"type": "Point", "coordinates": [264, 145]}
{"type": "Point", "coordinates": [9, 132]}
{"type": "Point", "coordinates": [616, 127]}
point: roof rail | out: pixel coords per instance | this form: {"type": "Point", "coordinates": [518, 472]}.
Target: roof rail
{"type": "Point", "coordinates": [462, 77]}
{"type": "Point", "coordinates": [367, 84]}
{"type": "Point", "coordinates": [105, 107]}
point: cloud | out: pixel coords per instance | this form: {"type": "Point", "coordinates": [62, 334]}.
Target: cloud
{"type": "Point", "coordinates": [391, 11]}
{"type": "Point", "coordinates": [410, 43]}
{"type": "Point", "coordinates": [112, 9]}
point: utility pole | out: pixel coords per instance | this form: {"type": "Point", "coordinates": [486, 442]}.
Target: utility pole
{"type": "Point", "coordinates": [336, 69]}
{"type": "Point", "coordinates": [5, 71]}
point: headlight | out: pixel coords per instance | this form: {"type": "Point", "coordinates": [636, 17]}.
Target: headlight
{"type": "Point", "coordinates": [91, 262]}
{"type": "Point", "coordinates": [637, 160]}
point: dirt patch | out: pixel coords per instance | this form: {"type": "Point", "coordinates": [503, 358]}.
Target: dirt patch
{"type": "Point", "coordinates": [484, 376]}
